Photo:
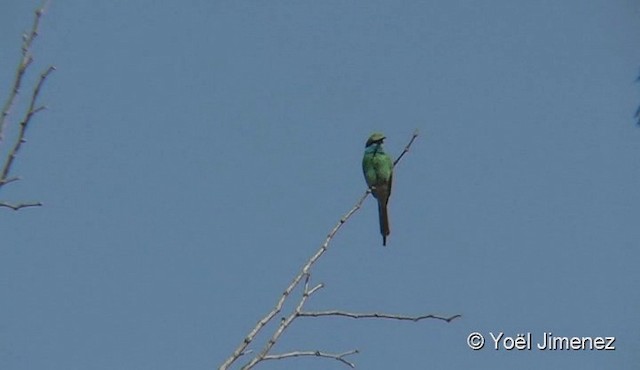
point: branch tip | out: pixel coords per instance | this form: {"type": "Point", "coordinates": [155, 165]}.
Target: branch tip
{"type": "Point", "coordinates": [316, 353]}
{"type": "Point", "coordinates": [17, 207]}
{"type": "Point", "coordinates": [377, 315]}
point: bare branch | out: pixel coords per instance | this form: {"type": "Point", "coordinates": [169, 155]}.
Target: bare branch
{"type": "Point", "coordinates": [20, 139]}
{"type": "Point", "coordinates": [336, 356]}
{"type": "Point", "coordinates": [406, 148]}
{"type": "Point", "coordinates": [16, 207]}
{"type": "Point", "coordinates": [284, 323]}
{"type": "Point", "coordinates": [298, 278]}
{"type": "Point", "coordinates": [376, 315]}
{"type": "Point", "coordinates": [11, 179]}
{"type": "Point", "coordinates": [25, 61]}
{"type": "Point", "coordinates": [313, 290]}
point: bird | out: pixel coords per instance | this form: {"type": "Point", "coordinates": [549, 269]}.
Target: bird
{"type": "Point", "coordinates": [377, 167]}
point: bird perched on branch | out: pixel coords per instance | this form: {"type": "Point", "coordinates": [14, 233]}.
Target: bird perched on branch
{"type": "Point", "coordinates": [378, 173]}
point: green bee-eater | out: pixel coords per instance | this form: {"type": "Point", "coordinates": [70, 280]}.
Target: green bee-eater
{"type": "Point", "coordinates": [378, 172]}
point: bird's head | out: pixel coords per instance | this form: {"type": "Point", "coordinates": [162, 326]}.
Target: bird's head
{"type": "Point", "coordinates": [375, 138]}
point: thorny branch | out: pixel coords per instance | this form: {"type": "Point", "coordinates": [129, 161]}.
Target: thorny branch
{"type": "Point", "coordinates": [24, 124]}
{"type": "Point", "coordinates": [32, 110]}
{"type": "Point", "coordinates": [296, 280]}
{"type": "Point", "coordinates": [284, 323]}
{"type": "Point", "coordinates": [25, 61]}
{"type": "Point", "coordinates": [376, 315]}
{"type": "Point", "coordinates": [406, 148]}
{"type": "Point", "coordinates": [304, 273]}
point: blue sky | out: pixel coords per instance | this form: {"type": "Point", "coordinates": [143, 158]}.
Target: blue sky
{"type": "Point", "coordinates": [194, 156]}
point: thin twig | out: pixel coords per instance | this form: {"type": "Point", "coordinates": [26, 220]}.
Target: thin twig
{"type": "Point", "coordinates": [16, 207]}
{"type": "Point", "coordinates": [24, 124]}
{"type": "Point", "coordinates": [304, 271]}
{"type": "Point", "coordinates": [25, 61]}
{"type": "Point", "coordinates": [10, 179]}
{"type": "Point", "coordinates": [406, 148]}
{"type": "Point", "coordinates": [376, 315]}
{"type": "Point", "coordinates": [336, 356]}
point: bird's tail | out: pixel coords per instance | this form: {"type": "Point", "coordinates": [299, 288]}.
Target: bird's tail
{"type": "Point", "coordinates": [384, 220]}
